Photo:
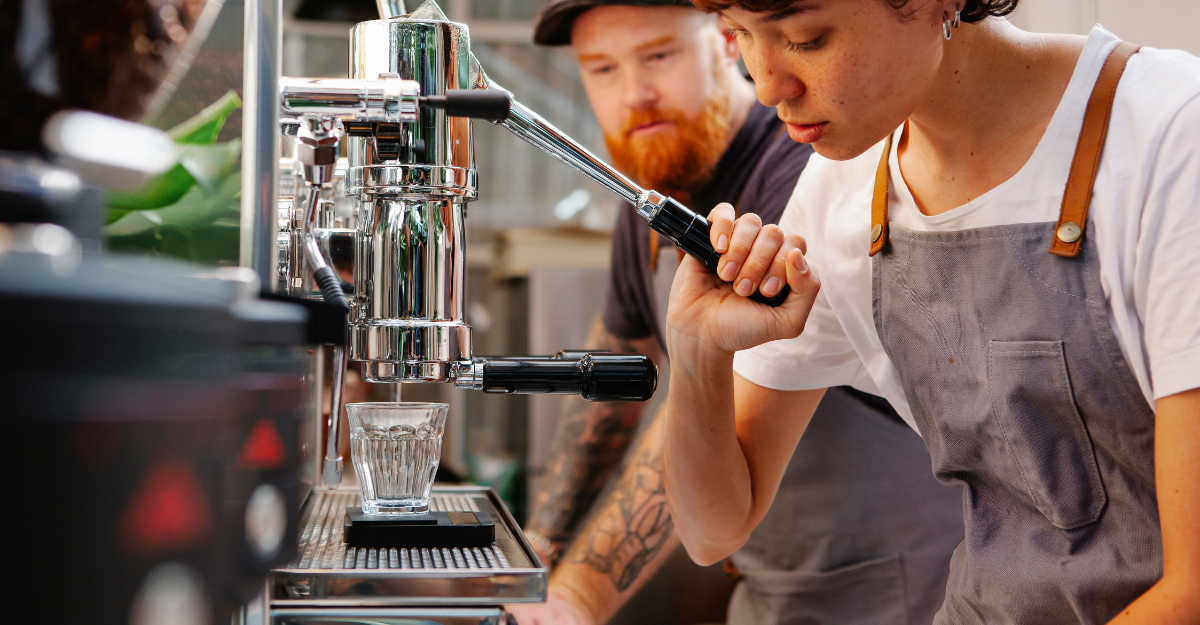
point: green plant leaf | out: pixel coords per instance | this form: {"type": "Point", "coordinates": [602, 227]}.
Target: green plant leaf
{"type": "Point", "coordinates": [203, 127]}
{"type": "Point", "coordinates": [193, 210]}
{"type": "Point", "coordinates": [210, 164]}
{"type": "Point", "coordinates": [160, 190]}
{"type": "Point", "coordinates": [207, 165]}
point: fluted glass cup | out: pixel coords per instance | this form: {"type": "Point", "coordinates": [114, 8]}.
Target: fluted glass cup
{"type": "Point", "coordinates": [395, 448]}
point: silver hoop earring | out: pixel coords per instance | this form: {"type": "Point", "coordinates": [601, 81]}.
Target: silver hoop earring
{"type": "Point", "coordinates": [948, 24]}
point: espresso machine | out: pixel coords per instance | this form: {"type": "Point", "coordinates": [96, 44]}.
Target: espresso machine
{"type": "Point", "coordinates": [380, 234]}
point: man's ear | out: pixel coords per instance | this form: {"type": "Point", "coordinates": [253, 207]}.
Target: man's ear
{"type": "Point", "coordinates": [732, 52]}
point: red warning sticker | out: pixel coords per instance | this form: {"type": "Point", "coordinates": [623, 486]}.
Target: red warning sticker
{"type": "Point", "coordinates": [168, 511]}
{"type": "Point", "coordinates": [263, 448]}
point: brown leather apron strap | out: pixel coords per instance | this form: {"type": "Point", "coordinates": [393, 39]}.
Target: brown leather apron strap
{"type": "Point", "coordinates": [879, 201]}
{"type": "Point", "coordinates": [1072, 218]}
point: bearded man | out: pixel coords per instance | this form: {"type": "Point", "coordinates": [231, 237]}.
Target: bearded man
{"type": "Point", "coordinates": [842, 543]}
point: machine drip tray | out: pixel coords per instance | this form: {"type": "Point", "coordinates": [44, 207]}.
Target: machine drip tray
{"type": "Point", "coordinates": [431, 529]}
{"type": "Point", "coordinates": [329, 572]}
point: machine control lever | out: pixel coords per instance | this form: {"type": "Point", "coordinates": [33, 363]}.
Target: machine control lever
{"type": "Point", "coordinates": [688, 230]}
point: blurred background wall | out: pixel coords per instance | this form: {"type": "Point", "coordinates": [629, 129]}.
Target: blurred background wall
{"type": "Point", "coordinates": [1157, 23]}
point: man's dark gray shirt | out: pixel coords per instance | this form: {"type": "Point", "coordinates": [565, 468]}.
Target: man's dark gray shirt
{"type": "Point", "coordinates": [756, 174]}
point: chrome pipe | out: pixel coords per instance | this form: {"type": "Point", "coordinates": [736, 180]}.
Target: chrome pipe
{"type": "Point", "coordinates": [538, 132]}
{"type": "Point", "coordinates": [332, 473]}
{"type": "Point", "coordinates": [541, 134]}
{"type": "Point", "coordinates": [387, 98]}
{"type": "Point", "coordinates": [389, 9]}
{"type": "Point", "coordinates": [312, 250]}
{"type": "Point", "coordinates": [260, 144]}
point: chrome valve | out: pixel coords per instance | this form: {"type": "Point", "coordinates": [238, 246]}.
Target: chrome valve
{"type": "Point", "coordinates": [386, 98]}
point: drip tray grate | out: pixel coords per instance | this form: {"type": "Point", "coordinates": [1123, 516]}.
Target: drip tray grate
{"type": "Point", "coordinates": [323, 545]}
{"type": "Point", "coordinates": [329, 572]}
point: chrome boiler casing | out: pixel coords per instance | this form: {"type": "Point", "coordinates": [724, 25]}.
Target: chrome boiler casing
{"type": "Point", "coordinates": [413, 181]}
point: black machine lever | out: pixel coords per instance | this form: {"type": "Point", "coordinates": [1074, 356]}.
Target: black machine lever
{"type": "Point", "coordinates": [595, 376]}
{"type": "Point", "coordinates": [688, 230]}
{"type": "Point", "coordinates": [492, 105]}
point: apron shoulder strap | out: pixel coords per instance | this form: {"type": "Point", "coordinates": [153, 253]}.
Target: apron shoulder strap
{"type": "Point", "coordinates": [1072, 218]}
{"type": "Point", "coordinates": [879, 201]}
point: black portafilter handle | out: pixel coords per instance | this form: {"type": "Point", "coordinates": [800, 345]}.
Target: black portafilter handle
{"type": "Point", "coordinates": [595, 376]}
{"type": "Point", "coordinates": [689, 232]}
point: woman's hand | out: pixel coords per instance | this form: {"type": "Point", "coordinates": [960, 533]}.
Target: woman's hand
{"type": "Point", "coordinates": [711, 312]}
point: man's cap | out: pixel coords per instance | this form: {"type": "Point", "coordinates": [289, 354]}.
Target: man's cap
{"type": "Point", "coordinates": [553, 22]}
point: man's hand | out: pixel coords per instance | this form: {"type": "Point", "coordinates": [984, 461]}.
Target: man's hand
{"type": "Point", "coordinates": [562, 607]}
{"type": "Point", "coordinates": [712, 313]}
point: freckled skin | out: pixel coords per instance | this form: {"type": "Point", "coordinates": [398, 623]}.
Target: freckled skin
{"type": "Point", "coordinates": [868, 54]}
{"type": "Point", "coordinates": [845, 73]}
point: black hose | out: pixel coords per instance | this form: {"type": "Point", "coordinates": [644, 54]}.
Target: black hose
{"type": "Point", "coordinates": [331, 287]}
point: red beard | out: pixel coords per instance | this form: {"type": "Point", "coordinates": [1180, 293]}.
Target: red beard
{"type": "Point", "coordinates": [673, 161]}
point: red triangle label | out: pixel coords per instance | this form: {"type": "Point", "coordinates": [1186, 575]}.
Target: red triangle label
{"type": "Point", "coordinates": [263, 449]}
{"type": "Point", "coordinates": [168, 510]}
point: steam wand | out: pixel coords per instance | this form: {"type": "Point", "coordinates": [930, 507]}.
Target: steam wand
{"type": "Point", "coordinates": [317, 150]}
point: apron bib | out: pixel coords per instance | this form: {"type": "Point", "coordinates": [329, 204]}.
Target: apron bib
{"type": "Point", "coordinates": [845, 541]}
{"type": "Point", "coordinates": [1017, 383]}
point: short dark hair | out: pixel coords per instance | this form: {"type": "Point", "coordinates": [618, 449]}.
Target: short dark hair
{"type": "Point", "coordinates": [973, 11]}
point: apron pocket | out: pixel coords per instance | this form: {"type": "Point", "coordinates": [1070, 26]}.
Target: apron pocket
{"type": "Point", "coordinates": [1033, 403]}
{"type": "Point", "coordinates": [867, 593]}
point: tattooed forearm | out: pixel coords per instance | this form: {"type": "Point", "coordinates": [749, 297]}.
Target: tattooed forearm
{"type": "Point", "coordinates": [588, 446]}
{"type": "Point", "coordinates": [632, 523]}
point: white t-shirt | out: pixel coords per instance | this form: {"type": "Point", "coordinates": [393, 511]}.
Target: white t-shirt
{"type": "Point", "coordinates": [1145, 211]}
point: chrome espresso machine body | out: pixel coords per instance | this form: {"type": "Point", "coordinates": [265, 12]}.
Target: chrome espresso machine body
{"type": "Point", "coordinates": [391, 250]}
{"type": "Point", "coordinates": [380, 235]}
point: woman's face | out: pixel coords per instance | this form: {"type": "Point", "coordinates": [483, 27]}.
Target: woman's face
{"type": "Point", "coordinates": [842, 73]}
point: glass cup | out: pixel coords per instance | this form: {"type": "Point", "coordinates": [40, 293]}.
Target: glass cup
{"type": "Point", "coordinates": [395, 448]}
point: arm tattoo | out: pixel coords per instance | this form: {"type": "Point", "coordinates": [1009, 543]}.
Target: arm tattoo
{"type": "Point", "coordinates": [587, 449]}
{"type": "Point", "coordinates": [632, 524]}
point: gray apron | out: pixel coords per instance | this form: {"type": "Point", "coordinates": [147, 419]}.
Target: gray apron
{"type": "Point", "coordinates": [1018, 385]}
{"type": "Point", "coordinates": [860, 531]}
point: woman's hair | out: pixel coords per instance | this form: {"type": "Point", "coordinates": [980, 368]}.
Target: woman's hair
{"type": "Point", "coordinates": [973, 11]}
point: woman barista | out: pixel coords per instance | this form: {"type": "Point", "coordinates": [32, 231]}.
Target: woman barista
{"type": "Point", "coordinates": [1046, 343]}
